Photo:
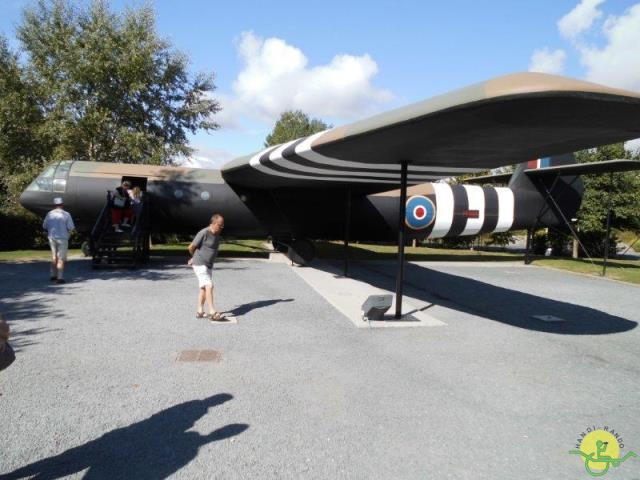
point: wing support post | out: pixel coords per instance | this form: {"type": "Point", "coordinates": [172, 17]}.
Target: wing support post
{"type": "Point", "coordinates": [607, 166]}
{"type": "Point", "coordinates": [347, 229]}
{"type": "Point", "coordinates": [401, 237]}
{"type": "Point", "coordinates": [608, 234]}
{"type": "Point", "coordinates": [551, 203]}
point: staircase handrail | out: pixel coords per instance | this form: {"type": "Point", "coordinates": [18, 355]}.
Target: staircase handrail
{"type": "Point", "coordinates": [140, 230]}
{"type": "Point", "coordinates": [99, 226]}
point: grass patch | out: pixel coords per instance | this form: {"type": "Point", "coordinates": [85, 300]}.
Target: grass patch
{"type": "Point", "coordinates": [230, 249]}
{"type": "Point", "coordinates": [628, 237]}
{"type": "Point", "coordinates": [25, 255]}
{"type": "Point", "coordinates": [623, 270]}
{"type": "Point", "coordinates": [237, 249]}
{"type": "Point", "coordinates": [366, 251]}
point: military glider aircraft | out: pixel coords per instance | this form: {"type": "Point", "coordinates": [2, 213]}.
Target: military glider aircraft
{"type": "Point", "coordinates": [346, 179]}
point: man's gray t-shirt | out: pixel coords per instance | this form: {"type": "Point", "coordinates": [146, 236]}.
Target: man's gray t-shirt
{"type": "Point", "coordinates": [206, 244]}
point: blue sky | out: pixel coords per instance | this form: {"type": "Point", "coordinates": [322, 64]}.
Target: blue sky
{"type": "Point", "coordinates": [343, 61]}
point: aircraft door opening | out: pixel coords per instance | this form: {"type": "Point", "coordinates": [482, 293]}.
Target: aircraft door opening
{"type": "Point", "coordinates": [140, 182]}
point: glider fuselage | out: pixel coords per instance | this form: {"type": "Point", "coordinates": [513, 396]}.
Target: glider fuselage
{"type": "Point", "coordinates": [181, 200]}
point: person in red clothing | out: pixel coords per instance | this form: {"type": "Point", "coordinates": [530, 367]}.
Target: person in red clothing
{"type": "Point", "coordinates": [121, 211]}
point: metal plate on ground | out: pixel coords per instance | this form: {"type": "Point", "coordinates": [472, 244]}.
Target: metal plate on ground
{"type": "Point", "coordinates": [212, 356]}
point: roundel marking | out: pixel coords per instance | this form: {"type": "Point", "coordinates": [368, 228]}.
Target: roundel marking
{"type": "Point", "coordinates": [420, 212]}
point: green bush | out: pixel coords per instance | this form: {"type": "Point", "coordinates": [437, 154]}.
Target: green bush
{"type": "Point", "coordinates": [457, 242]}
{"type": "Point", "coordinates": [501, 239]}
{"type": "Point", "coordinates": [594, 242]}
{"type": "Point", "coordinates": [21, 231]}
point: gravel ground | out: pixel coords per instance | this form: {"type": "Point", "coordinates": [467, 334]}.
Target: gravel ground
{"type": "Point", "coordinates": [295, 391]}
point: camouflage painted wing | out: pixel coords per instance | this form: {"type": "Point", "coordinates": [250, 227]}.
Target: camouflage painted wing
{"type": "Point", "coordinates": [502, 121]}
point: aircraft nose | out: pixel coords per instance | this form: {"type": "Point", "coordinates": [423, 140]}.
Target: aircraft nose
{"type": "Point", "coordinates": [34, 201]}
{"type": "Point", "coordinates": [24, 199]}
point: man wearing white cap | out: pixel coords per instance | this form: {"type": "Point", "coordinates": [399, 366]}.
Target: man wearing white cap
{"type": "Point", "coordinates": [58, 224]}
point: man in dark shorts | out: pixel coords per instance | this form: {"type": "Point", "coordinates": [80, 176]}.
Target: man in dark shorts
{"type": "Point", "coordinates": [204, 250]}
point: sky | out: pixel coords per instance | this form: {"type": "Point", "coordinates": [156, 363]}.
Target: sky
{"type": "Point", "coordinates": [342, 61]}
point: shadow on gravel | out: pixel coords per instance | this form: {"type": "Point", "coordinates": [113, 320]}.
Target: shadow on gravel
{"type": "Point", "coordinates": [247, 307]}
{"type": "Point", "coordinates": [151, 449]}
{"type": "Point", "coordinates": [482, 299]}
{"type": "Point", "coordinates": [23, 338]}
{"type": "Point", "coordinates": [27, 294]}
{"type": "Point", "coordinates": [181, 261]}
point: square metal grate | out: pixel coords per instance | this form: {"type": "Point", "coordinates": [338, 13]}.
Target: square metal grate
{"type": "Point", "coordinates": [199, 356]}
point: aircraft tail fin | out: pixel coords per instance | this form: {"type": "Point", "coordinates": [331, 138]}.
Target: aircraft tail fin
{"type": "Point", "coordinates": [551, 199]}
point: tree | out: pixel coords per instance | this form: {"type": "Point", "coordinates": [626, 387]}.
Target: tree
{"type": "Point", "coordinates": [90, 85]}
{"type": "Point", "coordinates": [109, 88]}
{"type": "Point", "coordinates": [21, 155]}
{"type": "Point", "coordinates": [625, 201]}
{"type": "Point", "coordinates": [292, 125]}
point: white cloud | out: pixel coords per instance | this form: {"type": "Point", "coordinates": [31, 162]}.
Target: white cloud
{"type": "Point", "coordinates": [276, 77]}
{"type": "Point", "coordinates": [607, 49]}
{"type": "Point", "coordinates": [545, 61]}
{"type": "Point", "coordinates": [617, 63]}
{"type": "Point", "coordinates": [580, 18]}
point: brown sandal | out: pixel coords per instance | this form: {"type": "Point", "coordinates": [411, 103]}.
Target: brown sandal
{"type": "Point", "coordinates": [216, 317]}
{"type": "Point", "coordinates": [201, 315]}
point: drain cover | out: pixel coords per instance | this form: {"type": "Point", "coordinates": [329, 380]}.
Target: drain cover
{"type": "Point", "coordinates": [199, 356]}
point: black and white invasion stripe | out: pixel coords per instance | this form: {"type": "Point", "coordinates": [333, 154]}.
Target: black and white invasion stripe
{"type": "Point", "coordinates": [494, 207]}
{"type": "Point", "coordinates": [297, 160]}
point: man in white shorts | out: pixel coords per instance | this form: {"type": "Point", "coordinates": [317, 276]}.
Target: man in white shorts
{"type": "Point", "coordinates": [204, 250]}
{"type": "Point", "coordinates": [58, 224]}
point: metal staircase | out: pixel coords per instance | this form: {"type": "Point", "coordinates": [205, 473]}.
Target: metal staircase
{"type": "Point", "coordinates": [110, 249]}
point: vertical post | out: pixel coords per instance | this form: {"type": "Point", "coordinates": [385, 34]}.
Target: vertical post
{"type": "Point", "coordinates": [347, 225]}
{"type": "Point", "coordinates": [527, 248]}
{"type": "Point", "coordinates": [606, 240]}
{"type": "Point", "coordinates": [401, 238]}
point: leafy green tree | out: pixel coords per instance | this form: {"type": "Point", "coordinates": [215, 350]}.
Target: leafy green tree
{"type": "Point", "coordinates": [109, 88]}
{"type": "Point", "coordinates": [292, 125]}
{"type": "Point", "coordinates": [625, 198]}
{"type": "Point", "coordinates": [21, 154]}
{"type": "Point", "coordinates": [90, 85]}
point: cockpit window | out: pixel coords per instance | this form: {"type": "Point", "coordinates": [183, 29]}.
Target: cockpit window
{"type": "Point", "coordinates": [60, 177]}
{"type": "Point", "coordinates": [53, 178]}
{"type": "Point", "coordinates": [44, 182]}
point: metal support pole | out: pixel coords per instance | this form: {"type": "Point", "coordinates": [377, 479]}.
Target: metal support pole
{"type": "Point", "coordinates": [527, 247]}
{"type": "Point", "coordinates": [347, 225]}
{"type": "Point", "coordinates": [401, 238]}
{"type": "Point", "coordinates": [566, 221]}
{"type": "Point", "coordinates": [606, 240]}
